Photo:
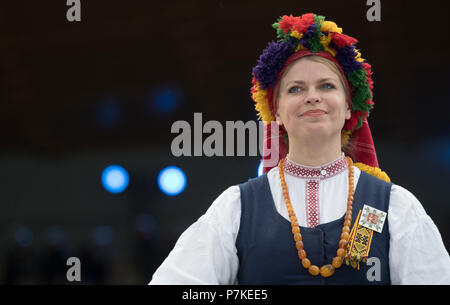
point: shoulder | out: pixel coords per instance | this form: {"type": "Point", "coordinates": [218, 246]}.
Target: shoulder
{"type": "Point", "coordinates": [252, 182]}
{"type": "Point", "coordinates": [231, 192]}
{"type": "Point", "coordinates": [405, 202]}
{"type": "Point", "coordinates": [406, 214]}
{"type": "Point", "coordinates": [227, 199]}
{"type": "Point", "coordinates": [225, 212]}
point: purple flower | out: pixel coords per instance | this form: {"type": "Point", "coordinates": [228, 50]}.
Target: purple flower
{"type": "Point", "coordinates": [310, 32]}
{"type": "Point", "coordinates": [272, 61]}
{"type": "Point", "coordinates": [304, 42]}
{"type": "Point", "coordinates": [346, 58]}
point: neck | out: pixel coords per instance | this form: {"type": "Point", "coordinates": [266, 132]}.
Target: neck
{"type": "Point", "coordinates": [314, 151]}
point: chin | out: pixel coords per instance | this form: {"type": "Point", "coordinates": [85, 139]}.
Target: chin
{"type": "Point", "coordinates": [317, 129]}
{"type": "Point", "coordinates": [319, 132]}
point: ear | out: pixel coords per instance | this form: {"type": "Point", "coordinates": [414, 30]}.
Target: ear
{"type": "Point", "coordinates": [278, 118]}
{"type": "Point", "coordinates": [348, 113]}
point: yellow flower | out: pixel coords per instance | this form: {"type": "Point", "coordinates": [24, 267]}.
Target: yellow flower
{"type": "Point", "coordinates": [325, 40]}
{"type": "Point", "coordinates": [296, 34]}
{"type": "Point", "coordinates": [333, 53]}
{"type": "Point", "coordinates": [299, 47]}
{"type": "Point", "coordinates": [358, 56]}
{"type": "Point", "coordinates": [330, 26]}
{"type": "Point", "coordinates": [374, 171]}
{"type": "Point", "coordinates": [262, 104]}
{"type": "Point", "coordinates": [345, 136]}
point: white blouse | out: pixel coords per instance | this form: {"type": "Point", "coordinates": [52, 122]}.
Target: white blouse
{"type": "Point", "coordinates": [206, 252]}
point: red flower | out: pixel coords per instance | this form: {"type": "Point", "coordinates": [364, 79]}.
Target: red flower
{"type": "Point", "coordinates": [300, 26]}
{"type": "Point", "coordinates": [353, 121]}
{"type": "Point", "coordinates": [287, 23]}
{"type": "Point", "coordinates": [369, 73]}
{"type": "Point", "coordinates": [303, 23]}
{"type": "Point", "coordinates": [342, 40]}
{"type": "Point", "coordinates": [252, 89]}
{"type": "Point", "coordinates": [308, 18]}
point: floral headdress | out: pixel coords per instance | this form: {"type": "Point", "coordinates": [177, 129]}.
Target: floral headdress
{"type": "Point", "coordinates": [311, 34]}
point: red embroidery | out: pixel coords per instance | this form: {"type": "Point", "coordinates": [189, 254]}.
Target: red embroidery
{"type": "Point", "coordinates": [326, 171]}
{"type": "Point", "coordinates": [313, 176]}
{"type": "Point", "coordinates": [372, 218]}
{"type": "Point", "coordinates": [312, 203]}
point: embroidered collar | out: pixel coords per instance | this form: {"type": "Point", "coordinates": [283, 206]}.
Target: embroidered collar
{"type": "Point", "coordinates": [317, 172]}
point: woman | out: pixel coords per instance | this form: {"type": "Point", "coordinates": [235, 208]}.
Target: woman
{"type": "Point", "coordinates": [314, 217]}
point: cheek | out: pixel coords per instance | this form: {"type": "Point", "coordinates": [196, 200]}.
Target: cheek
{"type": "Point", "coordinates": [282, 109]}
{"type": "Point", "coordinates": [341, 109]}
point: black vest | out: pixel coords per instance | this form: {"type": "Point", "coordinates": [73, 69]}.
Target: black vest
{"type": "Point", "coordinates": [266, 247]}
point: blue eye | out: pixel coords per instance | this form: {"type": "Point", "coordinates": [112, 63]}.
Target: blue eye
{"type": "Point", "coordinates": [293, 89]}
{"type": "Point", "coordinates": [328, 86]}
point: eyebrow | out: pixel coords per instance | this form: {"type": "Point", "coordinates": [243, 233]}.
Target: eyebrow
{"type": "Point", "coordinates": [319, 81]}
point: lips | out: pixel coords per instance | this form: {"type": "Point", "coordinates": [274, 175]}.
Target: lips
{"type": "Point", "coordinates": [315, 112]}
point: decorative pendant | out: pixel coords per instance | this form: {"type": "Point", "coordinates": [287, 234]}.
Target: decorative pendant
{"type": "Point", "coordinates": [372, 218]}
{"type": "Point", "coordinates": [369, 220]}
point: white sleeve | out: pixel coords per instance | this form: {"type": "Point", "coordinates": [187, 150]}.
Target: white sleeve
{"type": "Point", "coordinates": [205, 254]}
{"type": "Point", "coordinates": [417, 254]}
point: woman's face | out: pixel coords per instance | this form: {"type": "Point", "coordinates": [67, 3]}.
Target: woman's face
{"type": "Point", "coordinates": [311, 101]}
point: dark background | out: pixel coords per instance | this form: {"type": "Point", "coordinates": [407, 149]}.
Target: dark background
{"type": "Point", "coordinates": [76, 97]}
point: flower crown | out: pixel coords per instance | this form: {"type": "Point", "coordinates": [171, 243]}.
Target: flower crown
{"type": "Point", "coordinates": [312, 32]}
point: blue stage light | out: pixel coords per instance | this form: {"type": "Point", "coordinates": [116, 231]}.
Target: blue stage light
{"type": "Point", "coordinates": [260, 168]}
{"type": "Point", "coordinates": [172, 180]}
{"type": "Point", "coordinates": [115, 179]}
{"type": "Point", "coordinates": [166, 100]}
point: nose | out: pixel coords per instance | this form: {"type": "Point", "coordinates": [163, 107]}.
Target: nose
{"type": "Point", "coordinates": [312, 99]}
{"type": "Point", "coordinates": [312, 96]}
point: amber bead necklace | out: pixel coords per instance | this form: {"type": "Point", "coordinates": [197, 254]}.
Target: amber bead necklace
{"type": "Point", "coordinates": [325, 270]}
